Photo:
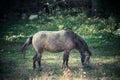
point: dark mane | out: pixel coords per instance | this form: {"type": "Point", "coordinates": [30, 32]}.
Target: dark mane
{"type": "Point", "coordinates": [83, 42]}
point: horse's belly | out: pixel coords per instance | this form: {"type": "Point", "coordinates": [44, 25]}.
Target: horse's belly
{"type": "Point", "coordinates": [53, 48]}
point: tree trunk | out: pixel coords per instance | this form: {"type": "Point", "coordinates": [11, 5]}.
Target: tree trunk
{"type": "Point", "coordinates": [93, 8]}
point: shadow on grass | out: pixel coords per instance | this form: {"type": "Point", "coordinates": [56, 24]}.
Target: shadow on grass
{"type": "Point", "coordinates": [112, 69]}
{"type": "Point", "coordinates": [104, 71]}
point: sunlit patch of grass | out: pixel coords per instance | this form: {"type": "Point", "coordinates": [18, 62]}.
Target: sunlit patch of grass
{"type": "Point", "coordinates": [12, 37]}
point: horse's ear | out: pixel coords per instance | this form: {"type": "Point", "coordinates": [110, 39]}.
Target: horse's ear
{"type": "Point", "coordinates": [86, 53]}
{"type": "Point", "coordinates": [90, 53]}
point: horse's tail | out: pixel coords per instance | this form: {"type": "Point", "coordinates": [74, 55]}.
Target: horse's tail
{"type": "Point", "coordinates": [26, 44]}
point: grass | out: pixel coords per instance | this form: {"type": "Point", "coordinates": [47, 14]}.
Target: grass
{"type": "Point", "coordinates": [103, 43]}
{"type": "Point", "coordinates": [105, 65]}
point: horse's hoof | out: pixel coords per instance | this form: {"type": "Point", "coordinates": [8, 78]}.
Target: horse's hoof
{"type": "Point", "coordinates": [86, 66]}
{"type": "Point", "coordinates": [34, 69]}
{"type": "Point", "coordinates": [65, 67]}
{"type": "Point", "coordinates": [39, 69]}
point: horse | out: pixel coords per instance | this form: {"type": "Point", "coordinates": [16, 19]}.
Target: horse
{"type": "Point", "coordinates": [58, 41]}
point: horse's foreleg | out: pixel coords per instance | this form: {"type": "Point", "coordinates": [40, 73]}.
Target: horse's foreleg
{"type": "Point", "coordinates": [65, 59]}
{"type": "Point", "coordinates": [34, 61]}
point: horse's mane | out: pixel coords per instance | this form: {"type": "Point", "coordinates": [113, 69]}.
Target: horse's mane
{"type": "Point", "coordinates": [85, 46]}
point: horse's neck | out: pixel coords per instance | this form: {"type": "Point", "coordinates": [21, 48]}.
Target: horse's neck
{"type": "Point", "coordinates": [83, 45]}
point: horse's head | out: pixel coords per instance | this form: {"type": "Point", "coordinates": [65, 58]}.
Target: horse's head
{"type": "Point", "coordinates": [86, 62]}
{"type": "Point", "coordinates": [85, 58]}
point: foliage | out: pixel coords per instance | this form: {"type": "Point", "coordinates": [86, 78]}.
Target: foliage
{"type": "Point", "coordinates": [90, 28]}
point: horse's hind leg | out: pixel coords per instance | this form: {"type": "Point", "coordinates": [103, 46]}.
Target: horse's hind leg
{"type": "Point", "coordinates": [39, 56]}
{"type": "Point", "coordinates": [34, 61]}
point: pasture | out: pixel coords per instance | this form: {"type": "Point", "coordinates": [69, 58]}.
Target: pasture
{"type": "Point", "coordinates": [104, 44]}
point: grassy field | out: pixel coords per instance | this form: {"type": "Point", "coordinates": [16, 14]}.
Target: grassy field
{"type": "Point", "coordinates": [103, 43]}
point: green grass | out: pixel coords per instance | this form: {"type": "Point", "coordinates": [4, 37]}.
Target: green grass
{"type": "Point", "coordinates": [105, 65]}
{"type": "Point", "coordinates": [103, 43]}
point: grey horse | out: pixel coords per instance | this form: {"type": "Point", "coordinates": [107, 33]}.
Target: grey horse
{"type": "Point", "coordinates": [58, 41]}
